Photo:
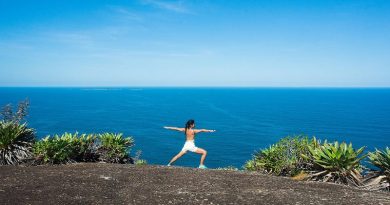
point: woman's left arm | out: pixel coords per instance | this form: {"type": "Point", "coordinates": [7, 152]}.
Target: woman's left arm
{"type": "Point", "coordinates": [203, 130]}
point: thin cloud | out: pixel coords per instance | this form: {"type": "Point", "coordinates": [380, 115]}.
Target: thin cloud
{"type": "Point", "coordinates": [176, 6]}
{"type": "Point", "coordinates": [126, 14]}
{"type": "Point", "coordinates": [71, 38]}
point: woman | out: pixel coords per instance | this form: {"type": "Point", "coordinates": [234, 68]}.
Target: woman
{"type": "Point", "coordinates": [189, 145]}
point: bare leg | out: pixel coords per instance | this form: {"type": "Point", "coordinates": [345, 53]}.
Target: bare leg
{"type": "Point", "coordinates": [181, 153]}
{"type": "Point", "coordinates": [203, 153]}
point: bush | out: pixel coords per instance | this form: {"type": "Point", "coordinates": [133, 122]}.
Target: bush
{"type": "Point", "coordinates": [66, 148]}
{"type": "Point", "coordinates": [114, 148]}
{"type": "Point", "coordinates": [15, 142]}
{"type": "Point", "coordinates": [283, 158]}
{"type": "Point", "coordinates": [334, 162]}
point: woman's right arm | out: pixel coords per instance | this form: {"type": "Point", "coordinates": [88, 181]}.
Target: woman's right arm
{"type": "Point", "coordinates": [175, 128]}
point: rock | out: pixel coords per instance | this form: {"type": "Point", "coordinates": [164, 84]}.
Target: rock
{"type": "Point", "coordinates": [104, 183]}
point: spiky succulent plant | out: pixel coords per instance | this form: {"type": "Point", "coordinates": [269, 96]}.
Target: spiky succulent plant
{"type": "Point", "coordinates": [15, 142]}
{"type": "Point", "coordinates": [334, 162]}
{"type": "Point", "coordinates": [379, 179]}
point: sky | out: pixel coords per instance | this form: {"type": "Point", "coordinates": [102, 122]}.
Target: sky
{"type": "Point", "coordinates": [270, 43]}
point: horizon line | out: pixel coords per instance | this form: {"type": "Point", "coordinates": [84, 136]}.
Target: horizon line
{"type": "Point", "coordinates": [150, 86]}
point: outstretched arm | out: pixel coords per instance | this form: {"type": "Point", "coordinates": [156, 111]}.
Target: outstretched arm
{"type": "Point", "coordinates": [203, 130]}
{"type": "Point", "coordinates": [175, 128]}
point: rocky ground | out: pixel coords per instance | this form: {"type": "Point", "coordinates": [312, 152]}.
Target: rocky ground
{"type": "Point", "coordinates": [97, 183]}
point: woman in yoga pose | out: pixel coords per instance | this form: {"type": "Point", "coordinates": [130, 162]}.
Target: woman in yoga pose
{"type": "Point", "coordinates": [189, 145]}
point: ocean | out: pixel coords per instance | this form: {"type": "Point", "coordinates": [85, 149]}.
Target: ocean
{"type": "Point", "coordinates": [246, 119]}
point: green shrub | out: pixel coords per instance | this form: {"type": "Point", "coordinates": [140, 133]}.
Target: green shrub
{"type": "Point", "coordinates": [283, 158]}
{"type": "Point", "coordinates": [66, 148]}
{"type": "Point", "coordinates": [334, 162]}
{"type": "Point", "coordinates": [69, 147]}
{"type": "Point", "coordinates": [114, 148]}
{"type": "Point", "coordinates": [379, 179]}
{"type": "Point", "coordinates": [15, 142]}
{"type": "Point", "coordinates": [140, 162]}
{"type": "Point", "coordinates": [137, 159]}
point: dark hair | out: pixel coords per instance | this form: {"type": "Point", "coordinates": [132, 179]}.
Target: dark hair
{"type": "Point", "coordinates": [188, 125]}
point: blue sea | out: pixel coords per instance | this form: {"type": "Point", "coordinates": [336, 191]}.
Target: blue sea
{"type": "Point", "coordinates": [246, 119]}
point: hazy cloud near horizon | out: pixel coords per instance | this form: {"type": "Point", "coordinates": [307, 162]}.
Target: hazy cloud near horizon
{"type": "Point", "coordinates": [192, 43]}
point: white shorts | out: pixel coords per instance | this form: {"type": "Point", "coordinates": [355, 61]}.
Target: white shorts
{"type": "Point", "coordinates": [189, 146]}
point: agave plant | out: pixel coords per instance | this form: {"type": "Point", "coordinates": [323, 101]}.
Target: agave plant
{"type": "Point", "coordinates": [53, 150]}
{"type": "Point", "coordinates": [334, 162]}
{"type": "Point", "coordinates": [15, 142]}
{"type": "Point", "coordinates": [66, 148]}
{"type": "Point", "coordinates": [379, 179]}
{"type": "Point", "coordinates": [83, 146]}
{"type": "Point", "coordinates": [114, 148]}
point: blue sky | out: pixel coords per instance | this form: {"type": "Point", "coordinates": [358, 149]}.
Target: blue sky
{"type": "Point", "coordinates": [330, 43]}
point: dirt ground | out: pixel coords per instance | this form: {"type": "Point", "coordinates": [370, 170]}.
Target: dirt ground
{"type": "Point", "coordinates": [98, 183]}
